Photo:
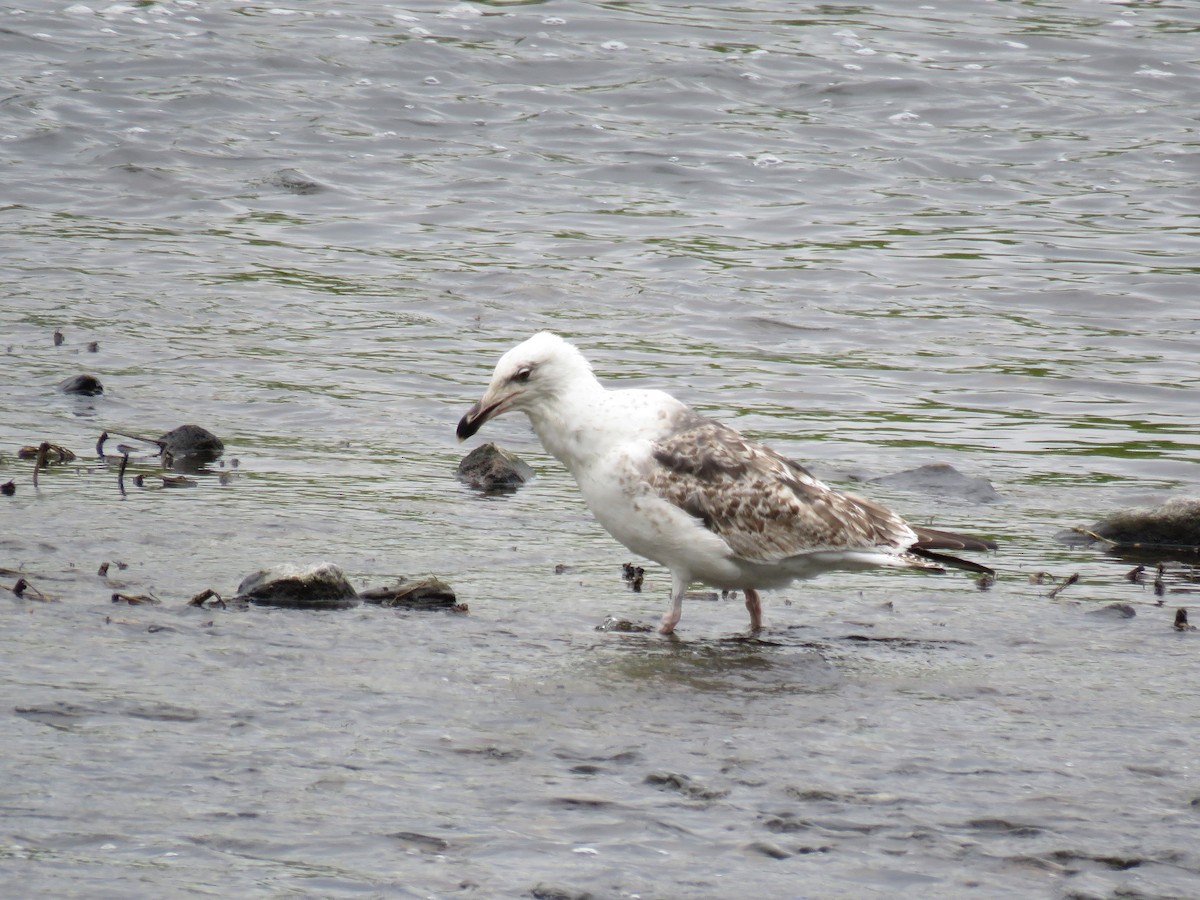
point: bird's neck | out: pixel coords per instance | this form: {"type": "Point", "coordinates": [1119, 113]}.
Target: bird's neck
{"type": "Point", "coordinates": [566, 426]}
{"type": "Point", "coordinates": [584, 424]}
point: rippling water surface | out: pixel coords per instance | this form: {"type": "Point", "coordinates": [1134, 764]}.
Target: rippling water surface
{"type": "Point", "coordinates": [876, 236]}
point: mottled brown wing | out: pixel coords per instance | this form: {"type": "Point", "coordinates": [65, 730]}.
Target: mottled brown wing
{"type": "Point", "coordinates": [764, 505]}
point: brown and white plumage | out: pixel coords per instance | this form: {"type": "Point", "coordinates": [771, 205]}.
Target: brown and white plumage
{"type": "Point", "coordinates": [693, 494]}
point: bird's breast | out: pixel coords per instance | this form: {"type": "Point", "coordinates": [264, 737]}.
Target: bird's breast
{"type": "Point", "coordinates": [622, 500]}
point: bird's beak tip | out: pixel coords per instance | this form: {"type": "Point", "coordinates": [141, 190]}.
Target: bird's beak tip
{"type": "Point", "coordinates": [470, 423]}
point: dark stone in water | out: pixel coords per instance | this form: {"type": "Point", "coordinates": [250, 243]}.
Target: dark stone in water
{"type": "Point", "coordinates": [943, 479]}
{"type": "Point", "coordinates": [82, 385]}
{"type": "Point", "coordinates": [317, 587]}
{"type": "Point", "coordinates": [767, 849]}
{"type": "Point", "coordinates": [1173, 527]}
{"type": "Point", "coordinates": [427, 593]}
{"type": "Point", "coordinates": [493, 469]}
{"type": "Point", "coordinates": [1115, 611]}
{"type": "Point", "coordinates": [425, 843]}
{"type": "Point", "coordinates": [190, 447]}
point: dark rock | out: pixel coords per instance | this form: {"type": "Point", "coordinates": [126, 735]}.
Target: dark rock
{"type": "Point", "coordinates": [82, 385]}
{"type": "Point", "coordinates": [317, 587]}
{"type": "Point", "coordinates": [426, 593]}
{"type": "Point", "coordinates": [423, 843]}
{"type": "Point", "coordinates": [941, 479]}
{"type": "Point", "coordinates": [1171, 527]}
{"type": "Point", "coordinates": [189, 447]}
{"type": "Point", "coordinates": [492, 469]}
{"type": "Point", "coordinates": [1115, 611]}
{"type": "Point", "coordinates": [767, 849]}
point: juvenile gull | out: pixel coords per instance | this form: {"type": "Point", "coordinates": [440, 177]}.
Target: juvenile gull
{"type": "Point", "coordinates": [693, 494]}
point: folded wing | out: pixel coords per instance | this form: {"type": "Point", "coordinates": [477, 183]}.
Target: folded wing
{"type": "Point", "coordinates": [765, 506]}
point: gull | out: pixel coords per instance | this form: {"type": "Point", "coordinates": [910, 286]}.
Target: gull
{"type": "Point", "coordinates": [693, 494]}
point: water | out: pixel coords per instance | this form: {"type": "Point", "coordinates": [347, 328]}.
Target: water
{"type": "Point", "coordinates": [876, 237]}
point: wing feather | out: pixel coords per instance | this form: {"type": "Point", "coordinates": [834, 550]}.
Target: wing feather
{"type": "Point", "coordinates": [765, 506]}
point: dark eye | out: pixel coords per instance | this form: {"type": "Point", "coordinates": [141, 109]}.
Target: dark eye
{"type": "Point", "coordinates": [522, 374]}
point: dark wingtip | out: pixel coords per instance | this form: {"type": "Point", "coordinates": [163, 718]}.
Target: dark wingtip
{"type": "Point", "coordinates": [932, 539]}
{"type": "Point", "coordinates": [954, 562]}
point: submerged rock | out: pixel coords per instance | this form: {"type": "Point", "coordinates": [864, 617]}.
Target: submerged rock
{"type": "Point", "coordinates": [317, 587]}
{"type": "Point", "coordinates": [767, 849]}
{"type": "Point", "coordinates": [82, 385]}
{"type": "Point", "coordinates": [425, 593]}
{"type": "Point", "coordinates": [423, 843]}
{"type": "Point", "coordinates": [492, 469]}
{"type": "Point", "coordinates": [1171, 527]}
{"type": "Point", "coordinates": [613, 623]}
{"type": "Point", "coordinates": [294, 181]}
{"type": "Point", "coordinates": [685, 785]}
{"type": "Point", "coordinates": [942, 479]}
{"type": "Point", "coordinates": [543, 891]}
{"type": "Point", "coordinates": [189, 447]}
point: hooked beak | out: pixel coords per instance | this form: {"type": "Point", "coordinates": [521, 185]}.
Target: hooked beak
{"type": "Point", "coordinates": [485, 409]}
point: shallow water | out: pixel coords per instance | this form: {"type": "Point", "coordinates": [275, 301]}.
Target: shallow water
{"type": "Point", "coordinates": [876, 237]}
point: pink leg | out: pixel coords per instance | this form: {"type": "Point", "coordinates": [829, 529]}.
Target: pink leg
{"type": "Point", "coordinates": [754, 605]}
{"type": "Point", "coordinates": [670, 619]}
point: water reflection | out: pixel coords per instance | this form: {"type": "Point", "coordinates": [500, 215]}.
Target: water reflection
{"type": "Point", "coordinates": [734, 665]}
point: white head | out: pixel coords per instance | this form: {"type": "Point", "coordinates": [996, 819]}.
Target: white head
{"type": "Point", "coordinates": [528, 377]}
